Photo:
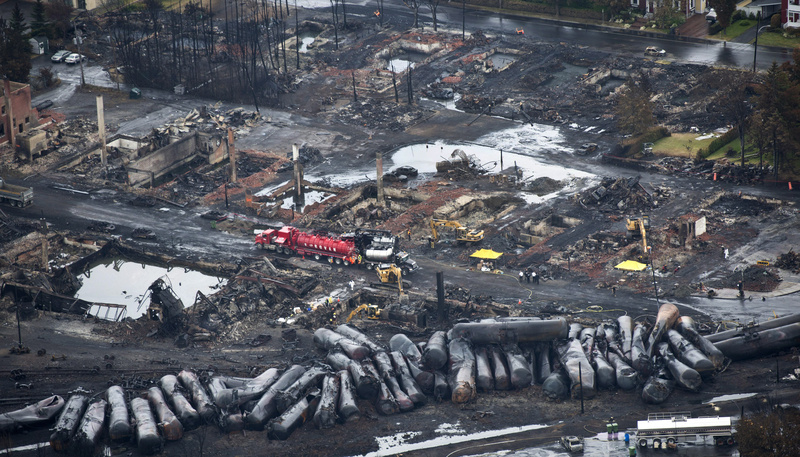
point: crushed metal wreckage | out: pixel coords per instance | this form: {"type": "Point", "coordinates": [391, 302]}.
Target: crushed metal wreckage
{"type": "Point", "coordinates": [567, 360]}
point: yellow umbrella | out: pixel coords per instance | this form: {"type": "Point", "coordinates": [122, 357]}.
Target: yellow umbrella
{"type": "Point", "coordinates": [631, 265]}
{"type": "Point", "coordinates": [486, 254]}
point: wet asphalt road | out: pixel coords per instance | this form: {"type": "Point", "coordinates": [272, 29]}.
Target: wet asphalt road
{"type": "Point", "coordinates": [608, 39]}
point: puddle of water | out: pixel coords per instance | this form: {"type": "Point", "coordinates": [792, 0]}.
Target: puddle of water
{"type": "Point", "coordinates": [524, 144]}
{"type": "Point", "coordinates": [305, 41]}
{"type": "Point", "coordinates": [125, 283]}
{"type": "Point", "coordinates": [447, 104]}
{"type": "Point", "coordinates": [398, 443]}
{"type": "Point", "coordinates": [731, 397]}
{"type": "Point", "coordinates": [311, 197]}
{"type": "Point", "coordinates": [500, 60]}
{"type": "Point", "coordinates": [399, 65]}
{"type": "Point", "coordinates": [610, 85]}
{"type": "Point", "coordinates": [569, 75]}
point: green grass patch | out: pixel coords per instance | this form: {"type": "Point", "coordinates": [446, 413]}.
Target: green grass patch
{"type": "Point", "coordinates": [750, 153]}
{"type": "Point", "coordinates": [734, 30]}
{"type": "Point", "coordinates": [680, 145]}
{"type": "Point", "coordinates": [768, 38]}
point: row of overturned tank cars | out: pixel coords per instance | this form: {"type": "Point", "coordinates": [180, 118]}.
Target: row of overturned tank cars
{"type": "Point", "coordinates": [502, 353]}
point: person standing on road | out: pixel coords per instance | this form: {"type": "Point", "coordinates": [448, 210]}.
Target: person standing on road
{"type": "Point", "coordinates": [535, 278]}
{"type": "Point", "coordinates": [521, 275]}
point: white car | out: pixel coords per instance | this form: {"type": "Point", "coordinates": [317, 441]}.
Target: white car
{"type": "Point", "coordinates": [654, 51]}
{"type": "Point", "coordinates": [60, 56]}
{"type": "Point", "coordinates": [75, 58]}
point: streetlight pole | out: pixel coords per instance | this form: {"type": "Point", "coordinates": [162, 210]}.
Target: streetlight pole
{"type": "Point", "coordinates": [755, 45]}
{"type": "Point", "coordinates": [79, 36]}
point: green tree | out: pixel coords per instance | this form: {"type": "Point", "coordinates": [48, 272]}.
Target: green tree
{"type": "Point", "coordinates": [729, 95]}
{"type": "Point", "coordinates": [15, 61]}
{"type": "Point", "coordinates": [666, 16]}
{"type": "Point", "coordinates": [724, 9]}
{"type": "Point", "coordinates": [767, 128]}
{"type": "Point", "coordinates": [39, 24]}
{"type": "Point", "coordinates": [634, 111]}
{"type": "Point", "coordinates": [17, 22]}
{"type": "Point", "coordinates": [59, 13]}
{"type": "Point", "coordinates": [613, 7]}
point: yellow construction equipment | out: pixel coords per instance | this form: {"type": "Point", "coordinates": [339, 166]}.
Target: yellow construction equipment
{"type": "Point", "coordinates": [372, 312]}
{"type": "Point", "coordinates": [463, 234]}
{"type": "Point", "coordinates": [390, 274]}
{"type": "Point", "coordinates": [637, 226]}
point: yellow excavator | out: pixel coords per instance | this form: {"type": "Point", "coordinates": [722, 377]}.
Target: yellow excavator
{"type": "Point", "coordinates": [390, 274]}
{"type": "Point", "coordinates": [463, 234]}
{"type": "Point", "coordinates": [370, 311]}
{"type": "Point", "coordinates": [637, 226]}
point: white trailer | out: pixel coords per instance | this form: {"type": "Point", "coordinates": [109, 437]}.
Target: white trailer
{"type": "Point", "coordinates": [665, 430]}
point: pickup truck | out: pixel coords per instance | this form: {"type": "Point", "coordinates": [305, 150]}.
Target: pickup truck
{"type": "Point", "coordinates": [15, 195]}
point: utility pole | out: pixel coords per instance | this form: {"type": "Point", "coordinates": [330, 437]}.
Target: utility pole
{"type": "Point", "coordinates": [755, 44]}
{"type": "Point", "coordinates": [410, 92]}
{"type": "Point", "coordinates": [463, 18]}
{"type": "Point", "coordinates": [19, 327]}
{"type": "Point", "coordinates": [101, 127]}
{"type": "Point", "coordinates": [580, 381]}
{"type": "Point", "coordinates": [335, 23]}
{"type": "Point", "coordinates": [653, 269]}
{"type": "Point", "coordinates": [79, 38]}
{"type": "Point", "coordinates": [394, 84]}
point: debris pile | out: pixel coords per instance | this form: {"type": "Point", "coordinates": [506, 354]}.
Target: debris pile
{"type": "Point", "coordinates": [721, 170]}
{"type": "Point", "coordinates": [386, 116]}
{"type": "Point", "coordinates": [789, 261]}
{"type": "Point", "coordinates": [209, 120]}
{"type": "Point", "coordinates": [754, 278]}
{"type": "Point", "coordinates": [736, 205]}
{"type": "Point", "coordinates": [460, 166]}
{"type": "Point", "coordinates": [617, 195]}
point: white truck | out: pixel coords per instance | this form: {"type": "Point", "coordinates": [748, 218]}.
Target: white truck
{"type": "Point", "coordinates": [13, 195]}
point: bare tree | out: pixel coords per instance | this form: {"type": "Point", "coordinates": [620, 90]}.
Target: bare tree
{"type": "Point", "coordinates": [433, 5]}
{"type": "Point", "coordinates": [634, 111]}
{"type": "Point", "coordinates": [335, 12]}
{"type": "Point", "coordinates": [733, 100]}
{"type": "Point", "coordinates": [414, 5]}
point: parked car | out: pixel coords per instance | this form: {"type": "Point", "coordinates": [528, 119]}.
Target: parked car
{"type": "Point", "coordinates": [286, 166]}
{"type": "Point", "coordinates": [59, 56]}
{"type": "Point", "coordinates": [101, 226]}
{"type": "Point", "coordinates": [654, 51]}
{"type": "Point", "coordinates": [587, 148]}
{"type": "Point", "coordinates": [143, 233]}
{"type": "Point", "coordinates": [402, 174]}
{"type": "Point", "coordinates": [44, 105]}
{"type": "Point", "coordinates": [75, 58]}
{"type": "Point", "coordinates": [572, 443]}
